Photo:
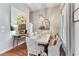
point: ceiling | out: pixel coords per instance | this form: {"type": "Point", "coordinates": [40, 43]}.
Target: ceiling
{"type": "Point", "coordinates": [38, 6]}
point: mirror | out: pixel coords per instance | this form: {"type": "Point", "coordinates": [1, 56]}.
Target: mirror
{"type": "Point", "coordinates": [45, 25]}
{"type": "Point", "coordinates": [18, 20]}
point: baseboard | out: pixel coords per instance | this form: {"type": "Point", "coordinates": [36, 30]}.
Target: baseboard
{"type": "Point", "coordinates": [10, 48]}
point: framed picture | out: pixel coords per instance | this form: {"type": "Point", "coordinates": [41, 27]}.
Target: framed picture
{"type": "Point", "coordinates": [16, 15]}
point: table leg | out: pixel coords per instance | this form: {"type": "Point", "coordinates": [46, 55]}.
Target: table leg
{"type": "Point", "coordinates": [13, 42]}
{"type": "Point", "coordinates": [17, 43]}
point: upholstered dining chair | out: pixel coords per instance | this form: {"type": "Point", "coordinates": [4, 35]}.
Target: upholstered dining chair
{"type": "Point", "coordinates": [32, 47]}
{"type": "Point", "coordinates": [54, 50]}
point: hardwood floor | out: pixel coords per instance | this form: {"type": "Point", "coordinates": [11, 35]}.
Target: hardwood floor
{"type": "Point", "coordinates": [17, 51]}
{"type": "Point", "coordinates": [22, 51]}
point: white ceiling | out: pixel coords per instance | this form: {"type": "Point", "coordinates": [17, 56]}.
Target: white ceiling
{"type": "Point", "coordinates": [37, 6]}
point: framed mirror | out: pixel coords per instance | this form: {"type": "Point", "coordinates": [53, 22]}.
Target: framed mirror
{"type": "Point", "coordinates": [45, 25]}
{"type": "Point", "coordinates": [18, 20]}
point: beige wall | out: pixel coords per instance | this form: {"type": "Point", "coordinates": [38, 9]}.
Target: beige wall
{"type": "Point", "coordinates": [54, 18]}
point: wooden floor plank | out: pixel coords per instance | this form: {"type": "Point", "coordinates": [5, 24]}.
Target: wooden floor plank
{"type": "Point", "coordinates": [17, 51]}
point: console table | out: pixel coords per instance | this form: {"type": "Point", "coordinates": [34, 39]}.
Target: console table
{"type": "Point", "coordinates": [18, 37]}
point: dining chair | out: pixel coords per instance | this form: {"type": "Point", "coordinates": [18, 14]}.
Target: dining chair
{"type": "Point", "coordinates": [32, 47]}
{"type": "Point", "coordinates": [54, 50]}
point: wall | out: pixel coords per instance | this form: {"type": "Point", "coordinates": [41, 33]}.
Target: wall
{"type": "Point", "coordinates": [5, 33]}
{"type": "Point", "coordinates": [53, 16]}
{"type": "Point", "coordinates": [76, 30]}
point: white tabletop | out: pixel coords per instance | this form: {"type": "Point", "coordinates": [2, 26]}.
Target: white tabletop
{"type": "Point", "coordinates": [43, 39]}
